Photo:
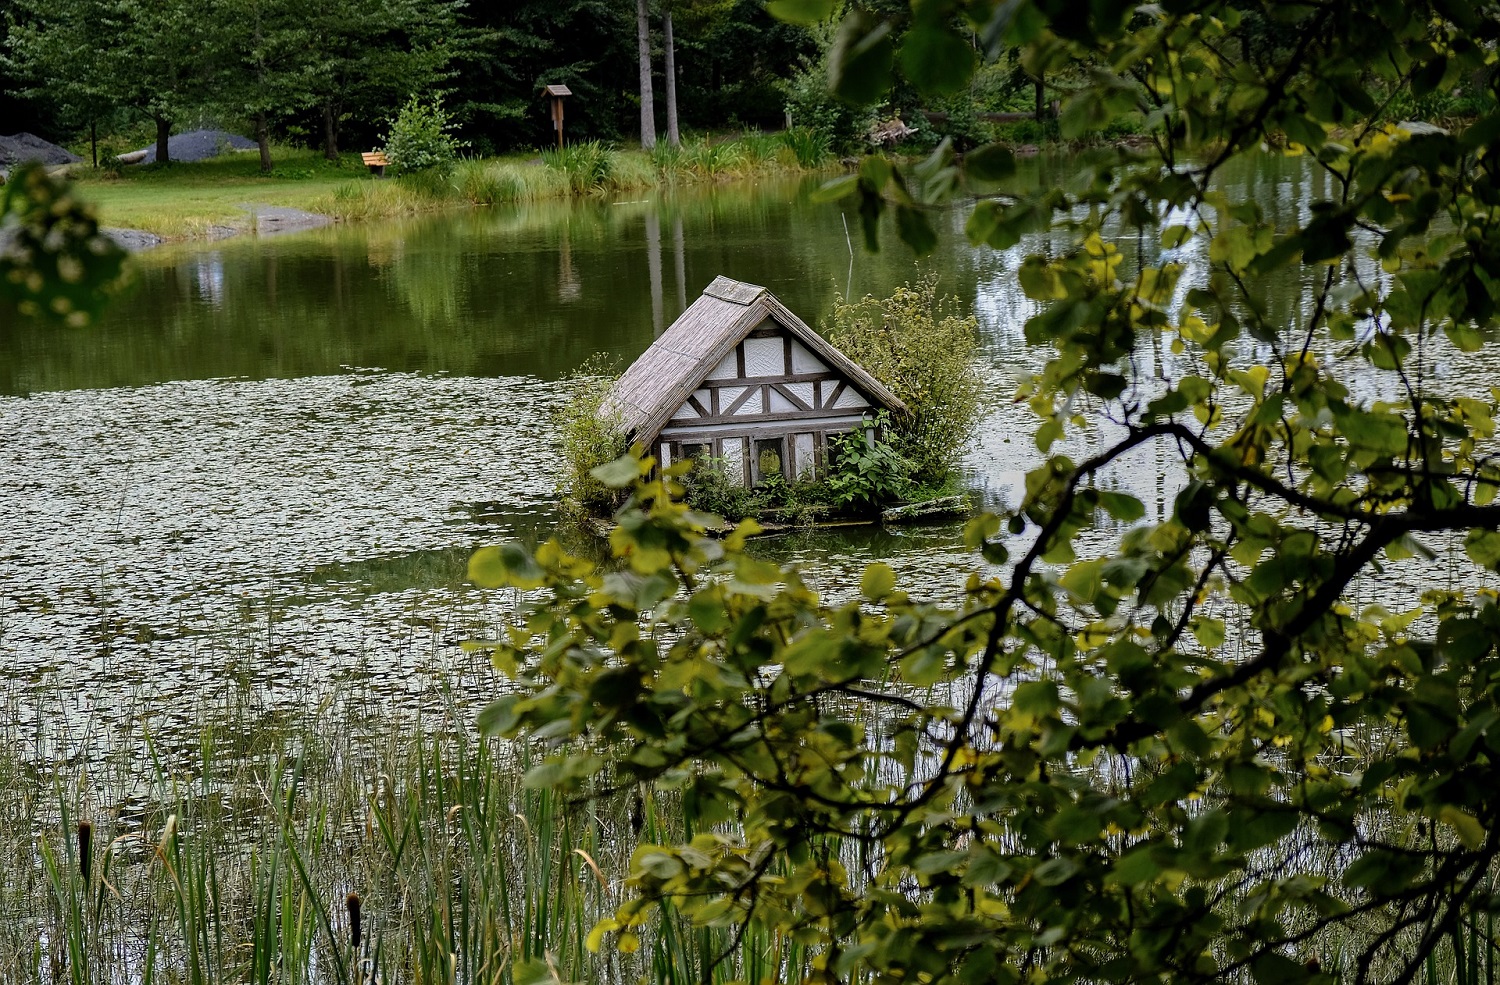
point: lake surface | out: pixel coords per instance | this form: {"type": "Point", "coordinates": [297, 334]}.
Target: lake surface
{"type": "Point", "coordinates": [264, 472]}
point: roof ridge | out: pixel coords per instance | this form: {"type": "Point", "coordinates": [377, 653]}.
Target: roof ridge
{"type": "Point", "coordinates": [734, 291]}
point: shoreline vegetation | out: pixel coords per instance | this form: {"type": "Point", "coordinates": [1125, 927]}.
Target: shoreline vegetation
{"type": "Point", "coordinates": [320, 845]}
{"type": "Point", "coordinates": [228, 195]}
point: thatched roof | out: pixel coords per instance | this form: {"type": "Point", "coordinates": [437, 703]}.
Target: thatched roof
{"type": "Point", "coordinates": [675, 365]}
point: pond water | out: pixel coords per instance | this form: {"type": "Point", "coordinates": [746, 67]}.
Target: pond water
{"type": "Point", "coordinates": [267, 467]}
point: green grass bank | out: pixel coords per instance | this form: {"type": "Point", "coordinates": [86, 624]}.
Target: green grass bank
{"type": "Point", "coordinates": [218, 197]}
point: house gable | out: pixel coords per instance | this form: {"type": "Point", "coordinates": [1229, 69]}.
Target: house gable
{"type": "Point", "coordinates": [742, 379]}
{"type": "Point", "coordinates": [769, 377]}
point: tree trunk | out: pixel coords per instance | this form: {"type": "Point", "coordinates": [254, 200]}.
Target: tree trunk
{"type": "Point", "coordinates": [263, 138]}
{"type": "Point", "coordinates": [1040, 87]}
{"type": "Point", "coordinates": [674, 139]}
{"type": "Point", "coordinates": [330, 133]}
{"type": "Point", "coordinates": [648, 108]}
{"type": "Point", "coordinates": [163, 132]}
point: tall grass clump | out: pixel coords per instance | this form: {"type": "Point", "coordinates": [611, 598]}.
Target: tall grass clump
{"type": "Point", "coordinates": [810, 148]}
{"type": "Point", "coordinates": [358, 201]}
{"type": "Point", "coordinates": [759, 150]}
{"type": "Point", "coordinates": [666, 159]}
{"type": "Point", "coordinates": [589, 165]}
{"type": "Point", "coordinates": [704, 159]}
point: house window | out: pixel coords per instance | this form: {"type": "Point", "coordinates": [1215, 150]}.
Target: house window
{"type": "Point", "coordinates": [770, 453]}
{"type": "Point", "coordinates": [694, 450]}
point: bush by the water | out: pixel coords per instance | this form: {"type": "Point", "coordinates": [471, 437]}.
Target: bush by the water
{"type": "Point", "coordinates": [590, 436]}
{"type": "Point", "coordinates": [419, 138]}
{"type": "Point", "coordinates": [917, 345]}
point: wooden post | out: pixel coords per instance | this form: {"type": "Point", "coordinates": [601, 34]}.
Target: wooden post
{"type": "Point", "coordinates": [555, 94]}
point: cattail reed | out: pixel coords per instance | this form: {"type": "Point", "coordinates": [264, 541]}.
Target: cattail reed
{"type": "Point", "coordinates": [354, 928]}
{"type": "Point", "coordinates": [85, 849]}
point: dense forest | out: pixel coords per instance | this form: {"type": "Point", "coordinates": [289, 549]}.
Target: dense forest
{"type": "Point", "coordinates": [335, 75]}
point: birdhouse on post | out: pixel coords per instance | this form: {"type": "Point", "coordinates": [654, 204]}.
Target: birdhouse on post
{"type": "Point", "coordinates": [555, 96]}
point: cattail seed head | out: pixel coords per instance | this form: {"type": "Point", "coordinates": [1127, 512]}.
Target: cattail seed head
{"type": "Point", "coordinates": [85, 849]}
{"type": "Point", "coordinates": [354, 928]}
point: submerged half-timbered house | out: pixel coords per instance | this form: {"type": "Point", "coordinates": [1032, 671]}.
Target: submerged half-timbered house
{"type": "Point", "coordinates": [741, 379]}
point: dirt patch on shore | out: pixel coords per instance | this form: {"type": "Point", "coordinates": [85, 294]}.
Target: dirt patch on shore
{"type": "Point", "coordinates": [268, 220]}
{"type": "Point", "coordinates": [259, 220]}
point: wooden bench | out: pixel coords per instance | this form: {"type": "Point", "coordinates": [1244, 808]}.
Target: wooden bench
{"type": "Point", "coordinates": [375, 161]}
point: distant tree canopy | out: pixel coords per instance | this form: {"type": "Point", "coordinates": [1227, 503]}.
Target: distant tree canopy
{"type": "Point", "coordinates": [335, 72]}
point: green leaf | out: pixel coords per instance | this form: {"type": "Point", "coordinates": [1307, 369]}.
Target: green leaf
{"type": "Point", "coordinates": [1122, 506]}
{"type": "Point", "coordinates": [533, 971]}
{"type": "Point", "coordinates": [835, 189]}
{"type": "Point", "coordinates": [990, 163]}
{"type": "Point", "coordinates": [1468, 827]}
{"type": "Point", "coordinates": [619, 473]}
{"type": "Point", "coordinates": [1135, 867]}
{"type": "Point", "coordinates": [877, 582]}
{"type": "Point", "coordinates": [500, 716]}
{"type": "Point", "coordinates": [1483, 547]}
{"type": "Point", "coordinates": [808, 13]}
{"type": "Point", "coordinates": [936, 60]}
{"type": "Point", "coordinates": [915, 231]}
{"type": "Point", "coordinates": [1038, 699]}
{"type": "Point", "coordinates": [1274, 968]}
{"type": "Point", "coordinates": [1055, 872]}
{"type": "Point", "coordinates": [509, 565]}
{"type": "Point", "coordinates": [859, 63]}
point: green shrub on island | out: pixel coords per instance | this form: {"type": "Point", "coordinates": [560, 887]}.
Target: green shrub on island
{"type": "Point", "coordinates": [419, 139]}
{"type": "Point", "coordinates": [859, 477]}
{"type": "Point", "coordinates": [590, 436]}
{"type": "Point", "coordinates": [864, 474]}
{"type": "Point", "coordinates": [915, 343]}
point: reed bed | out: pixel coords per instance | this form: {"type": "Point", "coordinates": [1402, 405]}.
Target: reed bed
{"type": "Point", "coordinates": [587, 168]}
{"type": "Point", "coordinates": [302, 850]}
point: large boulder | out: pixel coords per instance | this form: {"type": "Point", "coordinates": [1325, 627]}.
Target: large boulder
{"type": "Point", "coordinates": [196, 145]}
{"type": "Point", "coordinates": [22, 147]}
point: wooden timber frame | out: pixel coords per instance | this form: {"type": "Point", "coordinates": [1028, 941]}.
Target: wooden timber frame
{"type": "Point", "coordinates": [741, 379]}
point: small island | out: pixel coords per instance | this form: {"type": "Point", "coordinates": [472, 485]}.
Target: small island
{"type": "Point", "coordinates": [779, 422]}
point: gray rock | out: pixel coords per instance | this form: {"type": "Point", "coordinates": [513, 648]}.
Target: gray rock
{"type": "Point", "coordinates": [133, 240]}
{"type": "Point", "coordinates": [196, 145]}
{"type": "Point", "coordinates": [20, 147]}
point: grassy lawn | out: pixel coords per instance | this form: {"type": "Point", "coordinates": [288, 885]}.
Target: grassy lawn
{"type": "Point", "coordinates": [184, 200]}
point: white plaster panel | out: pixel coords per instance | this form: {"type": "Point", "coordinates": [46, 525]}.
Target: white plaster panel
{"type": "Point", "coordinates": [685, 412]}
{"type": "Point", "coordinates": [805, 391]}
{"type": "Point", "coordinates": [749, 407]}
{"type": "Point", "coordinates": [764, 356]}
{"type": "Point", "coordinates": [664, 454]}
{"type": "Point", "coordinates": [734, 459]}
{"type": "Point", "coordinates": [727, 369]}
{"type": "Point", "coordinates": [803, 361]}
{"type": "Point", "coordinates": [780, 403]}
{"type": "Point", "coordinates": [851, 398]}
{"type": "Point", "coordinates": [728, 396]}
{"type": "Point", "coordinates": [705, 399]}
{"type": "Point", "coordinates": [804, 453]}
